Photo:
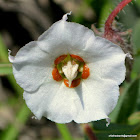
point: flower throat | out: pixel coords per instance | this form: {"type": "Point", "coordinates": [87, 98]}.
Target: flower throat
{"type": "Point", "coordinates": [70, 68]}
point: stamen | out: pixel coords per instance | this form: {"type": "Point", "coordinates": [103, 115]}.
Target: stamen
{"type": "Point", "coordinates": [86, 72]}
{"type": "Point", "coordinates": [74, 83]}
{"type": "Point", "coordinates": [56, 75]}
{"type": "Point", "coordinates": [59, 59]}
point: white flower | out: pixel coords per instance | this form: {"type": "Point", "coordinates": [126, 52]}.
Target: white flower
{"type": "Point", "coordinates": [95, 94]}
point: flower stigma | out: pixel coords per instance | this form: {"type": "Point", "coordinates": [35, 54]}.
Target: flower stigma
{"type": "Point", "coordinates": [70, 71]}
{"type": "Point", "coordinates": [71, 68]}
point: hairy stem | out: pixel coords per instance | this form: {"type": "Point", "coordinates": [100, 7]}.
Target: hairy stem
{"type": "Point", "coordinates": [108, 24]}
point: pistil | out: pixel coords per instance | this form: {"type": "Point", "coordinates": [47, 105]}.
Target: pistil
{"type": "Point", "coordinates": [70, 71]}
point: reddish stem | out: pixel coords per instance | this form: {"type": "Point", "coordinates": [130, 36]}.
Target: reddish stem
{"type": "Point", "coordinates": [89, 132]}
{"type": "Point", "coordinates": [108, 24]}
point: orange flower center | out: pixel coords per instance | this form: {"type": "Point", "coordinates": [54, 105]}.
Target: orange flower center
{"type": "Point", "coordinates": [82, 72]}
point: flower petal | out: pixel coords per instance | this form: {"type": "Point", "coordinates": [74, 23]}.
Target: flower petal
{"type": "Point", "coordinates": [96, 100]}
{"type": "Point", "coordinates": [54, 101]}
{"type": "Point", "coordinates": [90, 101]}
{"type": "Point", "coordinates": [65, 37]}
{"type": "Point", "coordinates": [31, 66]}
{"type": "Point", "coordinates": [106, 60]}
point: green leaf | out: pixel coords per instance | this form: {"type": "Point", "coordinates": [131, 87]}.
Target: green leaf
{"type": "Point", "coordinates": [127, 103]}
{"type": "Point", "coordinates": [98, 6]}
{"type": "Point", "coordinates": [13, 130]}
{"type": "Point", "coordinates": [3, 51]}
{"type": "Point", "coordinates": [136, 48]}
{"type": "Point", "coordinates": [64, 131]}
{"type": "Point", "coordinates": [105, 11]}
{"type": "Point", "coordinates": [5, 69]}
{"type": "Point", "coordinates": [102, 132]}
{"type": "Point", "coordinates": [136, 67]}
{"type": "Point", "coordinates": [134, 118]}
{"type": "Point", "coordinates": [138, 2]}
{"type": "Point", "coordinates": [135, 36]}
